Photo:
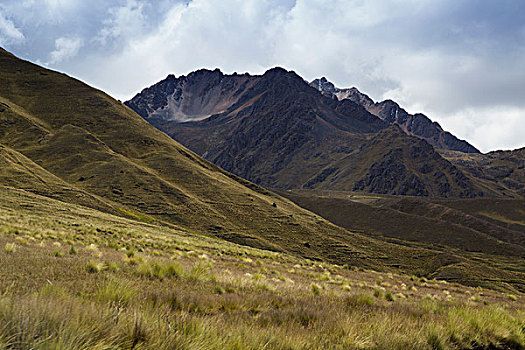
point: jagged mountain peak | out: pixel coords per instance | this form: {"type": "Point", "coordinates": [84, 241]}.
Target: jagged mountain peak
{"type": "Point", "coordinates": [323, 85]}
{"type": "Point", "coordinates": [418, 124]}
{"type": "Point", "coordinates": [277, 70]}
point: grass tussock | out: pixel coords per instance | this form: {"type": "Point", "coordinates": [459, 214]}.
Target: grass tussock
{"type": "Point", "coordinates": [10, 247]}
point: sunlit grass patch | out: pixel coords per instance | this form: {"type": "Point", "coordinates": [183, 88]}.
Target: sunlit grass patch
{"type": "Point", "coordinates": [10, 247]}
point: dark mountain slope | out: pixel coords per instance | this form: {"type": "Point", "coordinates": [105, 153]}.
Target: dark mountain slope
{"type": "Point", "coordinates": [418, 124]}
{"type": "Point", "coordinates": [276, 123]}
{"type": "Point", "coordinates": [502, 170]}
{"type": "Point", "coordinates": [392, 163]}
{"type": "Point", "coordinates": [195, 97]}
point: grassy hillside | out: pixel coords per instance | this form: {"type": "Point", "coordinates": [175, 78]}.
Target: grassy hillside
{"type": "Point", "coordinates": [479, 251]}
{"type": "Point", "coordinates": [17, 171]}
{"type": "Point", "coordinates": [76, 278]}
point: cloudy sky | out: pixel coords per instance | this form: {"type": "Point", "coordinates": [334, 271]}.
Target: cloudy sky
{"type": "Point", "coordinates": [461, 62]}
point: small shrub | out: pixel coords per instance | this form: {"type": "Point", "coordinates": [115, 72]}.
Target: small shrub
{"type": "Point", "coordinates": [92, 247]}
{"type": "Point", "coordinates": [58, 253]}
{"type": "Point", "coordinates": [512, 297]}
{"type": "Point", "coordinates": [174, 269]}
{"type": "Point", "coordinates": [347, 288]}
{"type": "Point", "coordinates": [400, 296]}
{"type": "Point", "coordinates": [199, 272]}
{"type": "Point", "coordinates": [134, 260]}
{"type": "Point", "coordinates": [144, 269]}
{"type": "Point", "coordinates": [21, 241]}
{"type": "Point", "coordinates": [116, 292]}
{"type": "Point", "coordinates": [111, 266]}
{"type": "Point", "coordinates": [158, 271]}
{"type": "Point", "coordinates": [389, 296]}
{"type": "Point", "coordinates": [358, 300]}
{"type": "Point", "coordinates": [435, 341]}
{"type": "Point", "coordinates": [260, 277]}
{"type": "Point", "coordinates": [73, 251]}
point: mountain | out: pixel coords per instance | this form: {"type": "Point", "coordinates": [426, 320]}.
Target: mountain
{"type": "Point", "coordinates": [63, 139]}
{"type": "Point", "coordinates": [391, 163]}
{"type": "Point", "coordinates": [418, 124]}
{"type": "Point", "coordinates": [277, 131]}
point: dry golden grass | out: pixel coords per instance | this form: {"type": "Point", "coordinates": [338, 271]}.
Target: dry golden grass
{"type": "Point", "coordinates": [137, 285]}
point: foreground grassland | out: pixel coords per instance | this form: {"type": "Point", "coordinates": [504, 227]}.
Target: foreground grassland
{"type": "Point", "coordinates": [75, 278]}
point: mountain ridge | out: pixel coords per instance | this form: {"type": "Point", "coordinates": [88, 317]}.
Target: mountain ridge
{"type": "Point", "coordinates": [418, 124]}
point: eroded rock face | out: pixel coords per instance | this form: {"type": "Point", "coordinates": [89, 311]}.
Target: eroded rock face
{"type": "Point", "coordinates": [418, 124]}
{"type": "Point", "coordinates": [189, 98]}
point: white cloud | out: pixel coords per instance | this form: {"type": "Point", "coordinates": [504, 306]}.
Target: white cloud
{"type": "Point", "coordinates": [453, 61]}
{"type": "Point", "coordinates": [65, 48]}
{"type": "Point", "coordinates": [488, 129]}
{"type": "Point", "coordinates": [125, 22]}
{"type": "Point", "coordinates": [8, 32]}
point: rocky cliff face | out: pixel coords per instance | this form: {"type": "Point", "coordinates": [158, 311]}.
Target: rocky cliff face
{"type": "Point", "coordinates": [417, 125]}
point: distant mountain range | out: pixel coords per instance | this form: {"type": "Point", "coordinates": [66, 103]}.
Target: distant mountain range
{"type": "Point", "coordinates": [280, 131]}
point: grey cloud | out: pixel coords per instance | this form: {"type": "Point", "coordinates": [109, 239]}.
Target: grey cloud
{"type": "Point", "coordinates": [460, 62]}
